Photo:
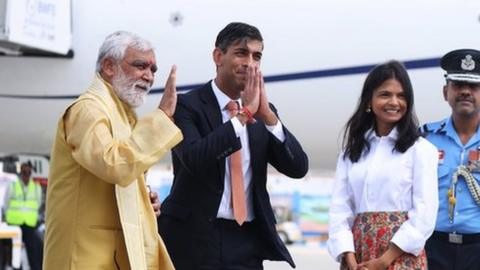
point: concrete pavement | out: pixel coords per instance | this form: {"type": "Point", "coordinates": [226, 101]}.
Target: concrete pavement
{"type": "Point", "coordinates": [307, 257]}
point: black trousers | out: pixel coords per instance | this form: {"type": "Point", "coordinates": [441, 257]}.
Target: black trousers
{"type": "Point", "coordinates": [233, 247]}
{"type": "Point", "coordinates": [442, 255]}
{"type": "Point", "coordinates": [34, 246]}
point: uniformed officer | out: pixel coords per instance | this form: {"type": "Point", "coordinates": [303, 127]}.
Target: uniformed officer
{"type": "Point", "coordinates": [24, 201]}
{"type": "Point", "coordinates": [455, 244]}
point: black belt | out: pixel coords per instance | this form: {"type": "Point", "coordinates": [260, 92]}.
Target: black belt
{"type": "Point", "coordinates": [456, 238]}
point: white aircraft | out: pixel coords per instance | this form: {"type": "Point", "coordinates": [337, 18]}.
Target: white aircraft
{"type": "Point", "coordinates": [316, 57]}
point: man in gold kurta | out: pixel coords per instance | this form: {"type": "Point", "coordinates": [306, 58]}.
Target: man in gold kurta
{"type": "Point", "coordinates": [98, 213]}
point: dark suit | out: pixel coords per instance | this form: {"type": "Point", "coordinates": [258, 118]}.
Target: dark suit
{"type": "Point", "coordinates": [188, 214]}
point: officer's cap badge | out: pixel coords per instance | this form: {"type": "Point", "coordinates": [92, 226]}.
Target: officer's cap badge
{"type": "Point", "coordinates": [468, 63]}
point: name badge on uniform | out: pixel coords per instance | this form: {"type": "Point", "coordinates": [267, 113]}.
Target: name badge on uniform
{"type": "Point", "coordinates": [441, 156]}
{"type": "Point", "coordinates": [474, 160]}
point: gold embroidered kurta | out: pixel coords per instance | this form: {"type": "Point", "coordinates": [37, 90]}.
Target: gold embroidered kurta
{"type": "Point", "coordinates": [98, 213]}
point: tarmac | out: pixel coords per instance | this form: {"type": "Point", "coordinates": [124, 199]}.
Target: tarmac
{"type": "Point", "coordinates": [306, 257]}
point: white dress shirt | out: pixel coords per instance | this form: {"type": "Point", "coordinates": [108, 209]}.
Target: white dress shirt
{"type": "Point", "coordinates": [385, 181]}
{"type": "Point", "coordinates": [225, 209]}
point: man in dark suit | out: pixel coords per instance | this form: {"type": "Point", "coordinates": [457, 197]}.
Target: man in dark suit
{"type": "Point", "coordinates": [206, 221]}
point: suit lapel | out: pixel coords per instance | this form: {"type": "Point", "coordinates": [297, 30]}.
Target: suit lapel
{"type": "Point", "coordinates": [212, 113]}
{"type": "Point", "coordinates": [211, 109]}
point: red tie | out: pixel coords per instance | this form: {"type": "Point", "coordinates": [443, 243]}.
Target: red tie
{"type": "Point", "coordinates": [236, 174]}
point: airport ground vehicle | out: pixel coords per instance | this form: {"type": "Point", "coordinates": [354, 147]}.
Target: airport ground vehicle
{"type": "Point", "coordinates": [288, 230]}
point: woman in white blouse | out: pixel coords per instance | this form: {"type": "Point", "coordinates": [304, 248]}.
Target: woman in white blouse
{"type": "Point", "coordinates": [384, 203]}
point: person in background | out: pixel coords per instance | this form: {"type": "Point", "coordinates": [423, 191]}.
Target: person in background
{"type": "Point", "coordinates": [384, 200]}
{"type": "Point", "coordinates": [24, 198]}
{"type": "Point", "coordinates": [455, 243]}
{"type": "Point", "coordinates": [99, 214]}
{"type": "Point", "coordinates": [218, 214]}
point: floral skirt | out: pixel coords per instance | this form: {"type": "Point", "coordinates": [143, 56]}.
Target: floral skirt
{"type": "Point", "coordinates": [372, 233]}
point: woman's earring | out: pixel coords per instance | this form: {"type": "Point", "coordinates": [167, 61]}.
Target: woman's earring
{"type": "Point", "coordinates": [368, 109]}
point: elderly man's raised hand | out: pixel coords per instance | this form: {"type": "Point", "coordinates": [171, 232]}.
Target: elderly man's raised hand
{"type": "Point", "coordinates": [168, 102]}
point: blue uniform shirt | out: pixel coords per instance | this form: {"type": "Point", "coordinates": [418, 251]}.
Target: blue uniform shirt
{"type": "Point", "coordinates": [453, 153]}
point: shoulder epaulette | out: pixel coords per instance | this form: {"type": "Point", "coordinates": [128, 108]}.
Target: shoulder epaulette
{"type": "Point", "coordinates": [433, 127]}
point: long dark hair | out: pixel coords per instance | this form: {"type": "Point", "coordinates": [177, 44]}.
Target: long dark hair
{"type": "Point", "coordinates": [354, 141]}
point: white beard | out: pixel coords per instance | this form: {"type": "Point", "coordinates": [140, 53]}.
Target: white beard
{"type": "Point", "coordinates": [127, 90]}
